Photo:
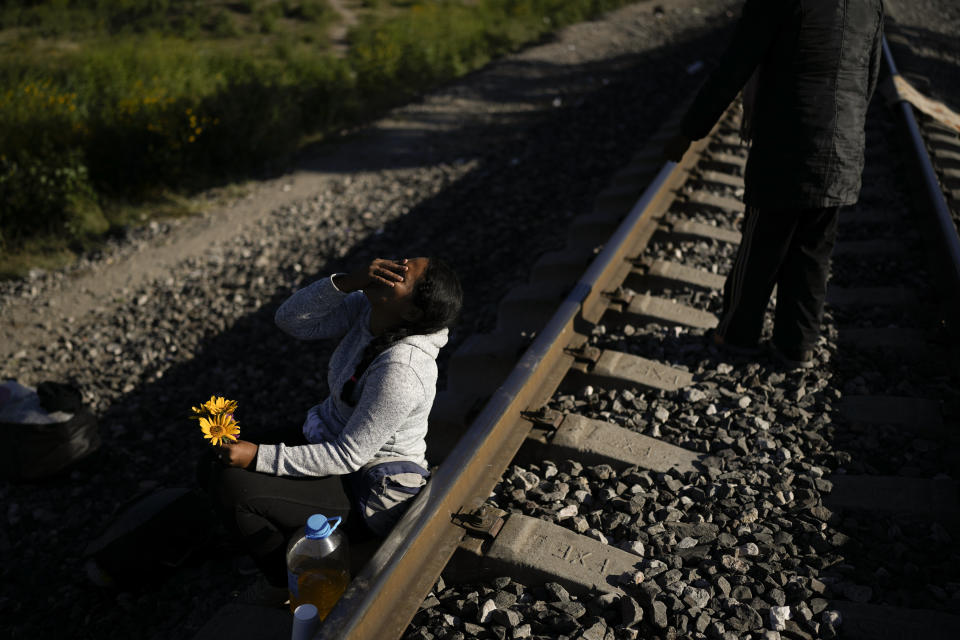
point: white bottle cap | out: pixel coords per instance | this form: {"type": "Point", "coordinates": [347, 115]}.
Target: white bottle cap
{"type": "Point", "coordinates": [306, 619]}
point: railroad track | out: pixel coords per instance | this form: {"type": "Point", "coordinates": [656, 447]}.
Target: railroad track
{"type": "Point", "coordinates": [619, 479]}
{"type": "Point", "coordinates": [706, 493]}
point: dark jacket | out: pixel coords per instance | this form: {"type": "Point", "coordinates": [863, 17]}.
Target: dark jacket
{"type": "Point", "coordinates": [819, 61]}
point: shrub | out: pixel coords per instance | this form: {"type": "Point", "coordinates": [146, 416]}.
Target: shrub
{"type": "Point", "coordinates": [225, 25]}
{"type": "Point", "coordinates": [267, 17]}
{"type": "Point", "coordinates": [316, 11]}
{"type": "Point", "coordinates": [46, 192]}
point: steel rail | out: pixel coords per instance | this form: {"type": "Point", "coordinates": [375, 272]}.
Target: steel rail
{"type": "Point", "coordinates": [382, 599]}
{"type": "Point", "coordinates": [945, 229]}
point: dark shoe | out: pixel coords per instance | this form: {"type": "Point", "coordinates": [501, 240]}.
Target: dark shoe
{"type": "Point", "coordinates": [720, 343]}
{"type": "Point", "coordinates": [794, 359]}
{"type": "Point", "coordinates": [245, 566]}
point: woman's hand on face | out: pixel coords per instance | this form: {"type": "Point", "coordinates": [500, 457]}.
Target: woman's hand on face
{"type": "Point", "coordinates": [379, 271]}
{"type": "Point", "coordinates": [237, 454]}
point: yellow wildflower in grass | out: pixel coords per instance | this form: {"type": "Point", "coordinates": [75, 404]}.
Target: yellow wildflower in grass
{"type": "Point", "coordinates": [219, 428]}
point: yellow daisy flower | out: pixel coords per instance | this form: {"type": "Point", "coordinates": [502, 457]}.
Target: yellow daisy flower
{"type": "Point", "coordinates": [217, 405]}
{"type": "Point", "coordinates": [219, 428]}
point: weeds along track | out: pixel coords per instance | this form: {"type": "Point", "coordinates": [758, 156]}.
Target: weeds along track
{"type": "Point", "coordinates": [620, 479]}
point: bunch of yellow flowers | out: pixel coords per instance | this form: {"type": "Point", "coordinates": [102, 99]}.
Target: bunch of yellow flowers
{"type": "Point", "coordinates": [216, 419]}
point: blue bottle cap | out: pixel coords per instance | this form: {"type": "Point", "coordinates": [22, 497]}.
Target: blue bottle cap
{"type": "Point", "coordinates": [319, 526]}
{"type": "Point", "coordinates": [305, 612]}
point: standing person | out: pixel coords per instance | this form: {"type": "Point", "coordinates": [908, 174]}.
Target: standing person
{"type": "Point", "coordinates": [361, 453]}
{"type": "Point", "coordinates": [814, 65]}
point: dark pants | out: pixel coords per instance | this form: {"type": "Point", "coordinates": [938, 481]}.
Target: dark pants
{"type": "Point", "coordinates": [789, 248]}
{"type": "Point", "coordinates": [263, 511]}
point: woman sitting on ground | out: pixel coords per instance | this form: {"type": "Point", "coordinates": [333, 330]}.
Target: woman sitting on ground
{"type": "Point", "coordinates": [361, 453]}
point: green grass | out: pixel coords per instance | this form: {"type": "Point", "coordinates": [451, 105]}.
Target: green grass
{"type": "Point", "coordinates": [56, 250]}
{"type": "Point", "coordinates": [106, 102]}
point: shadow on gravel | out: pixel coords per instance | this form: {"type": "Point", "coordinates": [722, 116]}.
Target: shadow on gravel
{"type": "Point", "coordinates": [532, 174]}
{"type": "Point", "coordinates": [904, 557]}
{"type": "Point", "coordinates": [925, 57]}
{"type": "Point", "coordinates": [498, 111]}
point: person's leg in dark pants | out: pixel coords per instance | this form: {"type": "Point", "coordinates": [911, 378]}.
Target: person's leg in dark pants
{"type": "Point", "coordinates": [802, 285]}
{"type": "Point", "coordinates": [767, 235]}
{"type": "Point", "coordinates": [264, 511]}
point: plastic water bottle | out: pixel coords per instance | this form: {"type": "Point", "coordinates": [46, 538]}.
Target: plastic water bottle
{"type": "Point", "coordinates": [318, 565]}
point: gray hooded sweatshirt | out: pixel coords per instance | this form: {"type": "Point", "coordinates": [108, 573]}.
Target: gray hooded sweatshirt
{"type": "Point", "coordinates": [393, 396]}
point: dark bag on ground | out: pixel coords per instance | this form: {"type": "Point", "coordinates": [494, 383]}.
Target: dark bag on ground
{"type": "Point", "coordinates": [43, 430]}
{"type": "Point", "coordinates": [149, 537]}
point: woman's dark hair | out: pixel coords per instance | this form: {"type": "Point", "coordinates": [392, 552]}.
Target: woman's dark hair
{"type": "Point", "coordinates": [437, 295]}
